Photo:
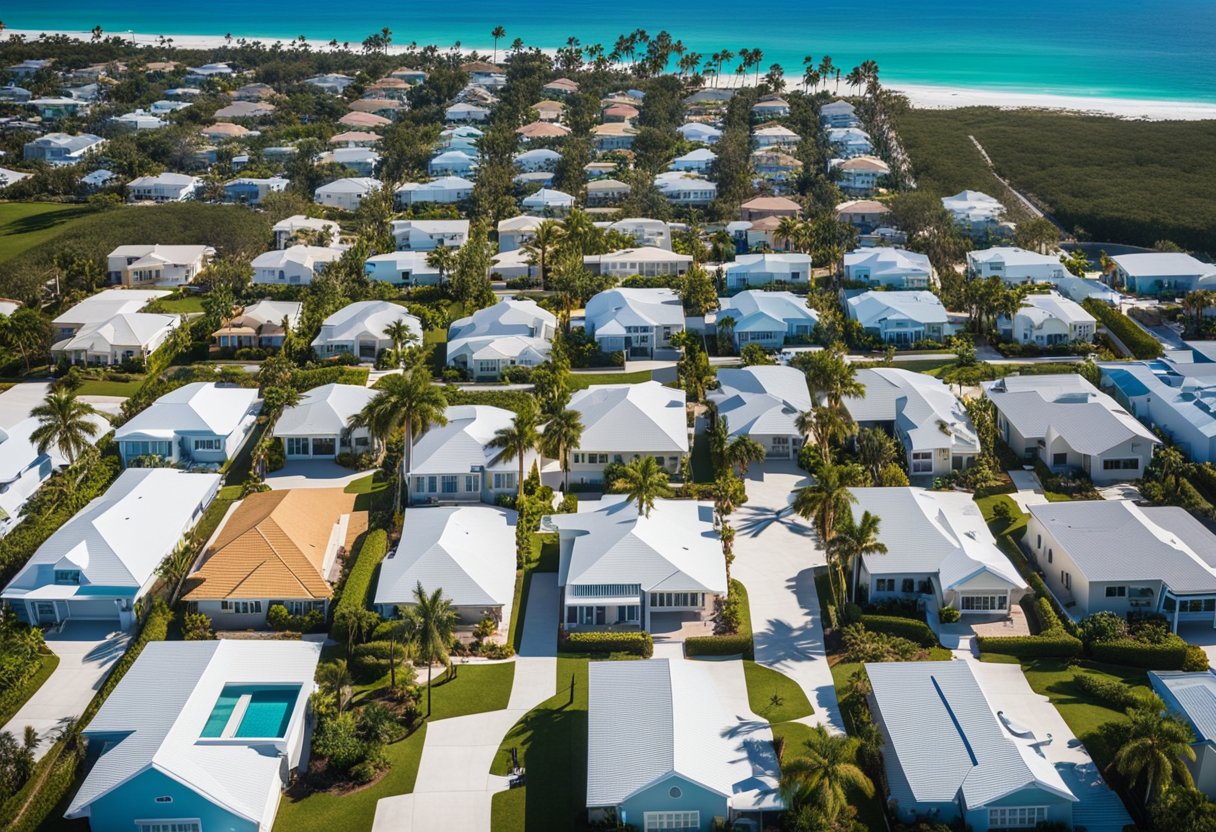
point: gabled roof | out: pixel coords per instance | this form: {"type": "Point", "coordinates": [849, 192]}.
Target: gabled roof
{"type": "Point", "coordinates": [1051, 305]}
{"type": "Point", "coordinates": [469, 551]}
{"type": "Point", "coordinates": [1067, 406]}
{"type": "Point", "coordinates": [770, 306]}
{"type": "Point", "coordinates": [672, 724]}
{"type": "Point", "coordinates": [675, 548]}
{"type": "Point", "coordinates": [630, 307]}
{"type": "Point", "coordinates": [632, 417]}
{"type": "Point", "coordinates": [1194, 698]}
{"type": "Point", "coordinates": [920, 406]}
{"type": "Point", "coordinates": [1013, 256]}
{"type": "Point", "coordinates": [870, 309]}
{"type": "Point", "coordinates": [199, 407]}
{"type": "Point", "coordinates": [884, 261]}
{"type": "Point", "coordinates": [275, 545]}
{"type": "Point", "coordinates": [108, 303]}
{"type": "Point", "coordinates": [507, 317]}
{"type": "Point", "coordinates": [546, 197]}
{"type": "Point", "coordinates": [862, 206]}
{"type": "Point", "coordinates": [133, 329]}
{"type": "Point", "coordinates": [350, 185]}
{"type": "Point", "coordinates": [945, 740]}
{"type": "Point", "coordinates": [307, 256]}
{"type": "Point", "coordinates": [365, 317]}
{"type": "Point", "coordinates": [154, 719]}
{"type": "Point", "coordinates": [120, 538]}
{"type": "Point", "coordinates": [761, 400]}
{"type": "Point", "coordinates": [460, 446]}
{"type": "Point", "coordinates": [323, 411]}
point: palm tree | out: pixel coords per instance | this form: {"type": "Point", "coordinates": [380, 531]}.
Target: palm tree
{"type": "Point", "coordinates": [497, 34]}
{"type": "Point", "coordinates": [65, 422]}
{"type": "Point", "coordinates": [408, 401]}
{"type": "Point", "coordinates": [544, 239]}
{"type": "Point", "coordinates": [515, 441]}
{"type": "Point", "coordinates": [826, 68]}
{"type": "Point", "coordinates": [824, 424]}
{"type": "Point", "coordinates": [1157, 750]}
{"type": "Point", "coordinates": [875, 450]}
{"type": "Point", "coordinates": [787, 230]}
{"type": "Point", "coordinates": [824, 772]}
{"type": "Point", "coordinates": [853, 541]}
{"type": "Point", "coordinates": [563, 431]}
{"type": "Point", "coordinates": [823, 503]}
{"type": "Point", "coordinates": [430, 623]}
{"type": "Point", "coordinates": [335, 677]}
{"type": "Point", "coordinates": [743, 451]}
{"type": "Point", "coordinates": [442, 259]}
{"type": "Point", "coordinates": [642, 482]}
{"type": "Point", "coordinates": [400, 334]}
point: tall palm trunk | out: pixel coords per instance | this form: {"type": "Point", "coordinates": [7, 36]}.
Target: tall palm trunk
{"type": "Point", "coordinates": [520, 497]}
{"type": "Point", "coordinates": [406, 459]}
{"type": "Point", "coordinates": [430, 661]}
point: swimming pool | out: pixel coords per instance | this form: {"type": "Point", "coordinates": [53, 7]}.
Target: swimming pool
{"type": "Point", "coordinates": [258, 711]}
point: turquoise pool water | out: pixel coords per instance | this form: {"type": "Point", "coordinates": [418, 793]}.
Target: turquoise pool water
{"type": "Point", "coordinates": [266, 715]}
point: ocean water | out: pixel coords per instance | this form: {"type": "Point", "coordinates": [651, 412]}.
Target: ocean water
{"type": "Point", "coordinates": [1152, 49]}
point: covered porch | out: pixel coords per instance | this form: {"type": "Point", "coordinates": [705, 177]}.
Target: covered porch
{"type": "Point", "coordinates": [1194, 611]}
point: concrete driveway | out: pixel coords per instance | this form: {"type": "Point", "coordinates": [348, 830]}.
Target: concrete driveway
{"type": "Point", "coordinates": [776, 554]}
{"type": "Point", "coordinates": [454, 788]}
{"type": "Point", "coordinates": [313, 474]}
{"type": "Point", "coordinates": [87, 652]}
{"type": "Point", "coordinates": [17, 401]}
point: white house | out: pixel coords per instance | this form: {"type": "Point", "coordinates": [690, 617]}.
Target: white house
{"type": "Point", "coordinates": [402, 268]}
{"type": "Point", "coordinates": [123, 337]}
{"type": "Point", "coordinates": [539, 159]}
{"type": "Point", "coordinates": [428, 235]}
{"type": "Point", "coordinates": [332, 83]}
{"type": "Point", "coordinates": [23, 469]}
{"type": "Point", "coordinates": [466, 112]}
{"type": "Point", "coordinates": [102, 562]}
{"type": "Point", "coordinates": [771, 106]}
{"type": "Point", "coordinates": [920, 411]}
{"type": "Point", "coordinates": [636, 322]}
{"type": "Point", "coordinates": [261, 325]}
{"type": "Point", "coordinates": [164, 187]}
{"type": "Point", "coordinates": [605, 192]}
{"type": "Point", "coordinates": [1116, 556]}
{"type": "Point", "coordinates": [508, 333]}
{"type": "Point", "coordinates": [646, 261]}
{"type": "Point", "coordinates": [624, 422]}
{"type": "Point", "coordinates": [212, 729]}
{"type": "Point", "coordinates": [1069, 425]}
{"type": "Point", "coordinates": [446, 190]}
{"type": "Point", "coordinates": [360, 160]}
{"type": "Point", "coordinates": [452, 463]}
{"type": "Point", "coordinates": [698, 160]}
{"type": "Point", "coordinates": [1191, 697]}
{"type": "Point", "coordinates": [774, 136]}
{"type": "Point", "coordinates": [139, 120]}
{"type": "Point", "coordinates": [285, 231]}
{"type": "Point", "coordinates": [548, 202]}
{"type": "Point", "coordinates": [838, 114]}
{"type": "Point", "coordinates": [1162, 272]}
{"type": "Point", "coordinates": [99, 308]}
{"type": "Point", "coordinates": [463, 138]}
{"type": "Point", "coordinates": [359, 329]}
{"type": "Point", "coordinates": [901, 318]}
{"type": "Point", "coordinates": [453, 163]}
{"type": "Point", "coordinates": [346, 194]}
{"type": "Point", "coordinates": [767, 318]}
{"type": "Point", "coordinates": [748, 270]}
{"type": "Point", "coordinates": [318, 425]}
{"type": "Point", "coordinates": [674, 754]}
{"type": "Point", "coordinates": [850, 141]}
{"type": "Point", "coordinates": [951, 755]}
{"type": "Point", "coordinates": [199, 424]}
{"type": "Point", "coordinates": [859, 175]}
{"type": "Point", "coordinates": [156, 265]}
{"type": "Point", "coordinates": [939, 550]}
{"type": "Point", "coordinates": [894, 268]}
{"type": "Point", "coordinates": [61, 148]}
{"type": "Point", "coordinates": [515, 231]}
{"type": "Point", "coordinates": [468, 551]}
{"type": "Point", "coordinates": [252, 190]}
{"type": "Point", "coordinates": [293, 266]}
{"type": "Point", "coordinates": [696, 131]}
{"type": "Point", "coordinates": [976, 213]}
{"type": "Point", "coordinates": [1015, 265]}
{"type": "Point", "coordinates": [686, 188]}
{"type": "Point", "coordinates": [763, 402]}
{"type": "Point", "coordinates": [1177, 399]}
{"type": "Point", "coordinates": [645, 232]}
{"type": "Point", "coordinates": [619, 568]}
{"type": "Point", "coordinates": [1051, 319]}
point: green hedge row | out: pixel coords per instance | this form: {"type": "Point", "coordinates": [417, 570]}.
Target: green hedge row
{"type": "Point", "coordinates": [912, 629]}
{"type": "Point", "coordinates": [1042, 593]}
{"type": "Point", "coordinates": [739, 644]}
{"type": "Point", "coordinates": [1059, 645]}
{"type": "Point", "coordinates": [1170, 655]}
{"type": "Point", "coordinates": [356, 591]}
{"type": "Point", "coordinates": [1110, 692]}
{"type": "Point", "coordinates": [1124, 328]}
{"type": "Point", "coordinates": [635, 644]}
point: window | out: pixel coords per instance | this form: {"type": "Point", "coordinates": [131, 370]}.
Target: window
{"type": "Point", "coordinates": [70, 577]}
{"type": "Point", "coordinates": [242, 607]}
{"type": "Point", "coordinates": [134, 449]}
{"type": "Point", "coordinates": [297, 446]}
{"type": "Point", "coordinates": [908, 585]}
{"type": "Point", "coordinates": [983, 603]}
{"type": "Point", "coordinates": [631, 613]}
{"type": "Point", "coordinates": [1066, 579]}
{"type": "Point", "coordinates": [1038, 541]}
{"type": "Point", "coordinates": [1016, 817]}
{"type": "Point", "coordinates": [470, 483]}
{"type": "Point", "coordinates": [164, 799]}
{"type": "Point", "coordinates": [922, 462]}
{"type": "Point", "coordinates": [1059, 459]}
{"type": "Point", "coordinates": [1049, 555]}
{"type": "Point", "coordinates": [449, 483]}
{"type": "Point", "coordinates": [674, 793]}
{"type": "Point", "coordinates": [168, 825]}
{"type": "Point", "coordinates": [884, 585]}
{"type": "Point", "coordinates": [324, 446]}
{"type": "Point", "coordinates": [1120, 464]}
{"type": "Point", "coordinates": [208, 444]}
{"type": "Point", "coordinates": [684, 821]}
{"type": "Point", "coordinates": [432, 484]}
{"type": "Point", "coordinates": [1116, 592]}
{"type": "Point", "coordinates": [503, 482]}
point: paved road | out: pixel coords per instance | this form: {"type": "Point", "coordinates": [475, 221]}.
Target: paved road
{"type": "Point", "coordinates": [454, 788]}
{"type": "Point", "coordinates": [87, 652]}
{"type": "Point", "coordinates": [775, 558]}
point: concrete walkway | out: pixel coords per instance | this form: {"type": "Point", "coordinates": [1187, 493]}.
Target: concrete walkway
{"type": "Point", "coordinates": [87, 651]}
{"type": "Point", "coordinates": [1029, 490]}
{"type": "Point", "coordinates": [454, 788]}
{"type": "Point", "coordinates": [776, 554]}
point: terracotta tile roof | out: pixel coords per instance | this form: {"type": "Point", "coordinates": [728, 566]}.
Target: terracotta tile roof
{"type": "Point", "coordinates": [542, 130]}
{"type": "Point", "coordinates": [274, 544]}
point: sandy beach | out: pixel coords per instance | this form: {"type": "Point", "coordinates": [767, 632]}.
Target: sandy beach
{"type": "Point", "coordinates": [926, 96]}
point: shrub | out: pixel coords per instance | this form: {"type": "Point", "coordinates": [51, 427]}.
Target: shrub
{"type": "Point", "coordinates": [1049, 622]}
{"type": "Point", "coordinates": [1196, 659]}
{"type": "Point", "coordinates": [862, 645]}
{"type": "Point", "coordinates": [197, 627]}
{"type": "Point", "coordinates": [1141, 344]}
{"type": "Point", "coordinates": [278, 618]}
{"type": "Point", "coordinates": [495, 650]}
{"type": "Point", "coordinates": [1110, 692]}
{"type": "Point", "coordinates": [357, 588]}
{"type": "Point", "coordinates": [949, 615]}
{"type": "Point", "coordinates": [1170, 655]}
{"type": "Point", "coordinates": [1057, 645]}
{"type": "Point", "coordinates": [911, 629]}
{"type": "Point", "coordinates": [635, 644]}
{"type": "Point", "coordinates": [568, 504]}
{"type": "Point", "coordinates": [372, 658]}
{"type": "Point", "coordinates": [737, 644]}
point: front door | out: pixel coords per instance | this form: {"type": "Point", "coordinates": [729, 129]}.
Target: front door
{"type": "Point", "coordinates": [44, 613]}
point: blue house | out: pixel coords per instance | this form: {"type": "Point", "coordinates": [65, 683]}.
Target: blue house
{"type": "Point", "coordinates": [199, 736]}
{"type": "Point", "coordinates": [671, 755]}
{"type": "Point", "coordinates": [1192, 696]}
{"type": "Point", "coordinates": [769, 319]}
{"type": "Point", "coordinates": [200, 424]}
{"type": "Point", "coordinates": [249, 191]}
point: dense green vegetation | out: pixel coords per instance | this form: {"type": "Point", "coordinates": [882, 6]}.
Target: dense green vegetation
{"type": "Point", "coordinates": [1110, 179]}
{"type": "Point", "coordinates": [24, 225]}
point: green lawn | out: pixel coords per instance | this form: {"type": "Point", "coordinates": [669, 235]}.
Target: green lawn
{"type": "Point", "coordinates": [1015, 528]}
{"type": "Point", "coordinates": [773, 695]}
{"type": "Point", "coordinates": [578, 380]}
{"type": "Point", "coordinates": [110, 388]}
{"type": "Point", "coordinates": [369, 489]}
{"type": "Point", "coordinates": [183, 305]}
{"type": "Point", "coordinates": [552, 743]}
{"type": "Point", "coordinates": [475, 689]}
{"type": "Point", "coordinates": [24, 225]}
{"type": "Point", "coordinates": [10, 707]}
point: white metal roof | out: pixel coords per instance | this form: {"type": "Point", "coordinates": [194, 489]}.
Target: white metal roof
{"type": "Point", "coordinates": [467, 551]}
{"type": "Point", "coordinates": [507, 317]}
{"type": "Point", "coordinates": [635, 307]}
{"type": "Point", "coordinates": [646, 417]}
{"type": "Point", "coordinates": [919, 405]}
{"type": "Point", "coordinates": [134, 329]}
{"type": "Point", "coordinates": [323, 411]}
{"type": "Point", "coordinates": [199, 407]}
{"type": "Point", "coordinates": [106, 304]}
{"type": "Point", "coordinates": [883, 261]}
{"type": "Point", "coordinates": [1162, 264]}
{"type": "Point", "coordinates": [870, 309]}
{"type": "Point", "coordinates": [761, 400]}
{"type": "Point", "coordinates": [365, 318]}
{"type": "Point", "coordinates": [1058, 307]}
{"type": "Point", "coordinates": [1013, 256]}
{"type": "Point", "coordinates": [459, 447]}
{"type": "Point", "coordinates": [1068, 406]}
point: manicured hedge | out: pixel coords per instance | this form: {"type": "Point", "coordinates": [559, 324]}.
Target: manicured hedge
{"type": "Point", "coordinates": [739, 644]}
{"type": "Point", "coordinates": [1196, 659]}
{"type": "Point", "coordinates": [1058, 645]}
{"type": "Point", "coordinates": [372, 658]}
{"type": "Point", "coordinates": [1171, 655]}
{"type": "Point", "coordinates": [356, 591]}
{"type": "Point", "coordinates": [1141, 344]}
{"type": "Point", "coordinates": [1110, 692]}
{"type": "Point", "coordinates": [635, 644]}
{"type": "Point", "coordinates": [912, 629]}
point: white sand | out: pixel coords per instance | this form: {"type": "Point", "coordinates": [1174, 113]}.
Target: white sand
{"type": "Point", "coordinates": [925, 96]}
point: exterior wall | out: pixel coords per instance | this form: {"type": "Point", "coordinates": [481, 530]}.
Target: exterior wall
{"type": "Point", "coordinates": [1055, 449]}
{"type": "Point", "coordinates": [1150, 410]}
{"type": "Point", "coordinates": [356, 441]}
{"type": "Point", "coordinates": [135, 800]}
{"type": "Point", "coordinates": [224, 617]}
{"type": "Point", "coordinates": [470, 488]}
{"type": "Point", "coordinates": [921, 584]}
{"type": "Point", "coordinates": [658, 798]}
{"type": "Point", "coordinates": [585, 472]}
{"type": "Point", "coordinates": [1058, 809]}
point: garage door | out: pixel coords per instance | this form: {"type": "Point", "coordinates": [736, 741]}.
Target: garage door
{"type": "Point", "coordinates": [93, 610]}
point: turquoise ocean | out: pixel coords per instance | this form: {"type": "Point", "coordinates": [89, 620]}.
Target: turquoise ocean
{"type": "Point", "coordinates": [1151, 49]}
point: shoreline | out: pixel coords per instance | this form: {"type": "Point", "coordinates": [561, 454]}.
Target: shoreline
{"type": "Point", "coordinates": [921, 96]}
